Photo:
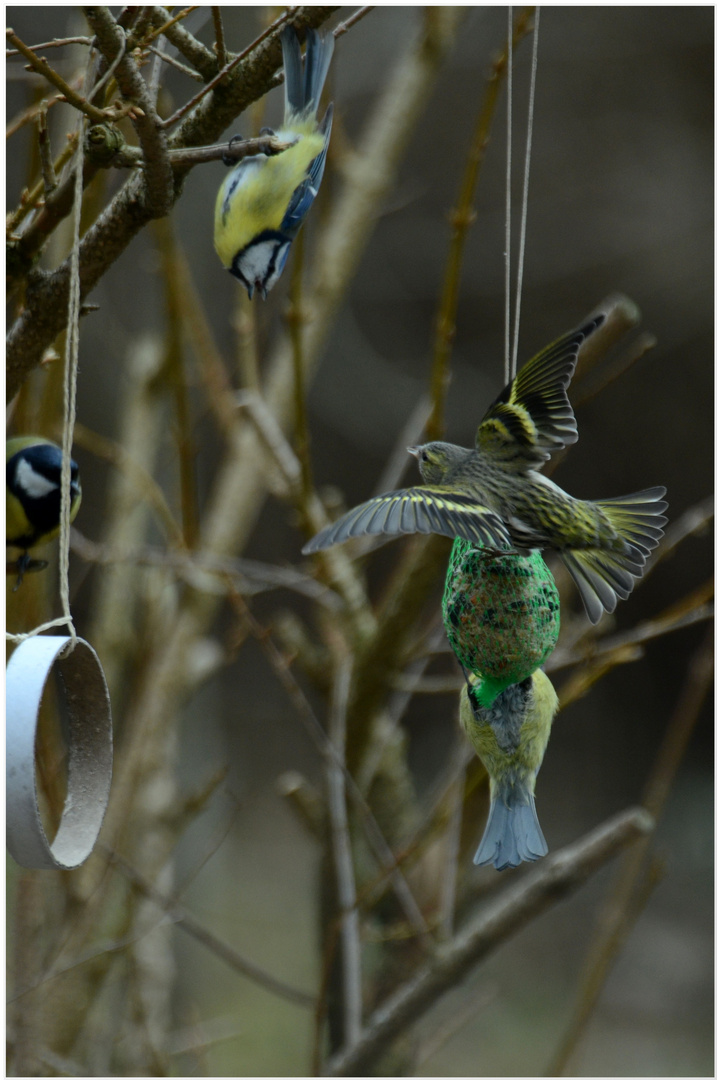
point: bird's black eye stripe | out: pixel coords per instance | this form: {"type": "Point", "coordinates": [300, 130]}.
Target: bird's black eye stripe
{"type": "Point", "coordinates": [424, 456]}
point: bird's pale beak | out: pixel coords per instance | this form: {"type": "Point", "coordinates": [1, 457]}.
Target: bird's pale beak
{"type": "Point", "coordinates": [414, 450]}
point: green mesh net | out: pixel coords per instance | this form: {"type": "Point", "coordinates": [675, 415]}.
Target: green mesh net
{"type": "Point", "coordinates": [501, 614]}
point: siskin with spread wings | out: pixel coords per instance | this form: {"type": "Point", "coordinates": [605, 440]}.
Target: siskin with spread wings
{"type": "Point", "coordinates": [33, 474]}
{"type": "Point", "coordinates": [510, 738]}
{"type": "Point", "coordinates": [495, 494]}
{"type": "Point", "coordinates": [263, 201]}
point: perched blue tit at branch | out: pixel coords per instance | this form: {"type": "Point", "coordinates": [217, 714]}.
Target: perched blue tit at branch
{"type": "Point", "coordinates": [33, 474]}
{"type": "Point", "coordinates": [510, 738]}
{"type": "Point", "coordinates": [495, 494]}
{"type": "Point", "coordinates": [263, 201]}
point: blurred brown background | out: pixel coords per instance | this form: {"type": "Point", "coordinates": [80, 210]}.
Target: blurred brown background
{"type": "Point", "coordinates": [621, 199]}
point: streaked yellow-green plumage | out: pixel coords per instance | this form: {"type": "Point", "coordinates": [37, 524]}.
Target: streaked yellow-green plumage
{"type": "Point", "coordinates": [495, 494]}
{"type": "Point", "coordinates": [510, 737]}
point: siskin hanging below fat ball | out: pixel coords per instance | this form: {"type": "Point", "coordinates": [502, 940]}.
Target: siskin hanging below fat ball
{"type": "Point", "coordinates": [33, 474]}
{"type": "Point", "coordinates": [495, 495]}
{"type": "Point", "coordinates": [510, 738]}
{"type": "Point", "coordinates": [501, 614]}
{"type": "Point", "coordinates": [263, 201]}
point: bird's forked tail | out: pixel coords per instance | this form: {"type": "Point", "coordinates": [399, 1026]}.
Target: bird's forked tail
{"type": "Point", "coordinates": [607, 572]}
{"type": "Point", "coordinates": [512, 833]}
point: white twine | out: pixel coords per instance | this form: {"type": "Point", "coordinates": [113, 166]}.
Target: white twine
{"type": "Point", "coordinates": [72, 350]}
{"type": "Point", "coordinates": [524, 211]}
{"type": "Point", "coordinates": [508, 173]}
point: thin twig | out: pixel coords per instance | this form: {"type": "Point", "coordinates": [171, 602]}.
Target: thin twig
{"type": "Point", "coordinates": [343, 860]}
{"type": "Point", "coordinates": [202, 58]}
{"type": "Point", "coordinates": [187, 922]}
{"type": "Point", "coordinates": [449, 879]}
{"type": "Point", "coordinates": [177, 376]}
{"type": "Point", "coordinates": [103, 949]}
{"type": "Point", "coordinates": [695, 607]}
{"type": "Point", "coordinates": [167, 26]}
{"type": "Point", "coordinates": [435, 818]}
{"type": "Point", "coordinates": [324, 745]}
{"type": "Point", "coordinates": [107, 77]}
{"type": "Point", "coordinates": [618, 913]}
{"type": "Point", "coordinates": [558, 877]}
{"type": "Point", "coordinates": [461, 218]}
{"type": "Point", "coordinates": [343, 573]}
{"type": "Point", "coordinates": [226, 70]}
{"type": "Point", "coordinates": [197, 328]}
{"type": "Point", "coordinates": [59, 1064]}
{"type": "Point", "coordinates": [41, 66]}
{"type": "Point", "coordinates": [204, 1034]}
{"type": "Point", "coordinates": [346, 25]}
{"type": "Point", "coordinates": [159, 179]}
{"type": "Point", "coordinates": [56, 43]}
{"type": "Point", "coordinates": [295, 318]}
{"type": "Point", "coordinates": [221, 45]}
{"type": "Point", "coordinates": [49, 178]}
{"type": "Point", "coordinates": [398, 459]}
{"type": "Point", "coordinates": [26, 115]}
{"type": "Point", "coordinates": [244, 324]}
{"type": "Point", "coordinates": [524, 203]}
{"type": "Point", "coordinates": [150, 491]}
{"type": "Point", "coordinates": [508, 195]}
{"type": "Point", "coordinates": [396, 707]}
{"type": "Point", "coordinates": [477, 1000]}
{"type": "Point", "coordinates": [30, 198]}
{"type": "Point", "coordinates": [590, 388]}
{"type": "Point", "coordinates": [173, 62]}
{"type": "Point", "coordinates": [205, 571]}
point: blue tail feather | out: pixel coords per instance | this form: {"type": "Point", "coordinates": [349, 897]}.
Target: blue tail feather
{"type": "Point", "coordinates": [512, 835]}
{"type": "Point", "coordinates": [303, 84]}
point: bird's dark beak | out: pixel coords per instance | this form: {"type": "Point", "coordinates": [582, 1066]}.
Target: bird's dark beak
{"type": "Point", "coordinates": [414, 451]}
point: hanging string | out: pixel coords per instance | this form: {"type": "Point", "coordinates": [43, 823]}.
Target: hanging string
{"type": "Point", "coordinates": [508, 172]}
{"type": "Point", "coordinates": [69, 413]}
{"type": "Point", "coordinates": [524, 208]}
{"type": "Point", "coordinates": [72, 353]}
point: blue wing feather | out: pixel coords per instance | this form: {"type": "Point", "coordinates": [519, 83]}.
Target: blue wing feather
{"type": "Point", "coordinates": [306, 192]}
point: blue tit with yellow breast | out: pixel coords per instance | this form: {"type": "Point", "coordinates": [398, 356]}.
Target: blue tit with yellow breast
{"type": "Point", "coordinates": [33, 474]}
{"type": "Point", "coordinates": [263, 201]}
{"type": "Point", "coordinates": [510, 737]}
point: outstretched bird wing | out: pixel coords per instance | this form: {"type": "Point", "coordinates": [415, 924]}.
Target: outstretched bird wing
{"type": "Point", "coordinates": [532, 417]}
{"type": "Point", "coordinates": [417, 510]}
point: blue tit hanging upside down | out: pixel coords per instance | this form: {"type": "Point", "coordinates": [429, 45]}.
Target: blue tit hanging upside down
{"type": "Point", "coordinates": [495, 494]}
{"type": "Point", "coordinates": [510, 738]}
{"type": "Point", "coordinates": [263, 201]}
{"type": "Point", "coordinates": [33, 473]}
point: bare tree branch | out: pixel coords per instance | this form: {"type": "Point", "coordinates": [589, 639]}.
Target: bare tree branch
{"type": "Point", "coordinates": [187, 922]}
{"type": "Point", "coordinates": [623, 903]}
{"type": "Point", "coordinates": [44, 314]}
{"type": "Point", "coordinates": [158, 176]}
{"type": "Point", "coordinates": [559, 876]}
{"type": "Point", "coordinates": [343, 862]}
